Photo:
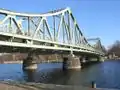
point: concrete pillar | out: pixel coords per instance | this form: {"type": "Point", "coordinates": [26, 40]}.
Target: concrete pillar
{"type": "Point", "coordinates": [71, 62]}
{"type": "Point", "coordinates": [83, 59]}
{"type": "Point", "coordinates": [101, 59]}
{"type": "Point", "coordinates": [29, 63]}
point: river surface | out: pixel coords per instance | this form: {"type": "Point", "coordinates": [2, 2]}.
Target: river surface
{"type": "Point", "coordinates": [106, 74]}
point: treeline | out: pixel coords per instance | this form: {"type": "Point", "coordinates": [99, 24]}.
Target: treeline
{"type": "Point", "coordinates": [114, 49]}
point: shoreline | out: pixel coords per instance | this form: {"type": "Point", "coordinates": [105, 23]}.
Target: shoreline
{"type": "Point", "coordinates": [12, 62]}
{"type": "Point", "coordinates": [4, 85]}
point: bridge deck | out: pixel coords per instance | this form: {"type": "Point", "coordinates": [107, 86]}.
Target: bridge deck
{"type": "Point", "coordinates": [43, 44]}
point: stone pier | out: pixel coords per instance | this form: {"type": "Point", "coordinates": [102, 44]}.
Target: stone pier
{"type": "Point", "coordinates": [101, 59]}
{"type": "Point", "coordinates": [71, 62]}
{"type": "Point", "coordinates": [30, 63]}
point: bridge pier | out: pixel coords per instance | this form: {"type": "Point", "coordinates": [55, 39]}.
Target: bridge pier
{"type": "Point", "coordinates": [30, 63]}
{"type": "Point", "coordinates": [101, 59]}
{"type": "Point", "coordinates": [71, 62]}
{"type": "Point", "coordinates": [83, 59]}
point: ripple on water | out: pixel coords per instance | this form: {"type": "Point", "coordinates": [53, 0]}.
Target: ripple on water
{"type": "Point", "coordinates": [106, 74]}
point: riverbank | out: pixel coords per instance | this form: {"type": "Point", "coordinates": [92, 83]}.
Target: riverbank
{"type": "Point", "coordinates": [39, 86]}
{"type": "Point", "coordinates": [10, 87]}
{"type": "Point", "coordinates": [20, 62]}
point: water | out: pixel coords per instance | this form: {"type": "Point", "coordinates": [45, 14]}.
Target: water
{"type": "Point", "coordinates": [106, 74]}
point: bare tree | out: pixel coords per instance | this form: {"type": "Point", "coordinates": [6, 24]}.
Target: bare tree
{"type": "Point", "coordinates": [115, 48]}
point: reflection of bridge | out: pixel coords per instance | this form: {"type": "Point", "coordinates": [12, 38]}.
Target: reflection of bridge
{"type": "Point", "coordinates": [53, 32]}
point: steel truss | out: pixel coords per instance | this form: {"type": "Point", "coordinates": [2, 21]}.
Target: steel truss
{"type": "Point", "coordinates": [56, 30]}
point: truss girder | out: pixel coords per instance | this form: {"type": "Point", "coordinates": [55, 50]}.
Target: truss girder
{"type": "Point", "coordinates": [57, 26]}
{"type": "Point", "coordinates": [97, 44]}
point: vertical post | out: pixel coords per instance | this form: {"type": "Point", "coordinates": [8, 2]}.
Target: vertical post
{"type": "Point", "coordinates": [63, 33]}
{"type": "Point", "coordinates": [10, 29]}
{"type": "Point", "coordinates": [71, 51]}
{"type": "Point", "coordinates": [43, 30]}
{"type": "Point", "coordinates": [28, 26]}
{"type": "Point", "coordinates": [54, 27]}
{"type": "Point", "coordinates": [67, 33]}
{"type": "Point", "coordinates": [75, 36]}
{"type": "Point", "coordinates": [93, 84]}
{"type": "Point", "coordinates": [69, 29]}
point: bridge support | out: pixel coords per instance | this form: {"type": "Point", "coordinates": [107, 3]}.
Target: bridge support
{"type": "Point", "coordinates": [71, 62]}
{"type": "Point", "coordinates": [101, 59]}
{"type": "Point", "coordinates": [30, 63]}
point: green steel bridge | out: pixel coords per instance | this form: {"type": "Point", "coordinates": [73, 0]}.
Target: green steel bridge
{"type": "Point", "coordinates": [55, 30]}
{"type": "Point", "coordinates": [51, 32]}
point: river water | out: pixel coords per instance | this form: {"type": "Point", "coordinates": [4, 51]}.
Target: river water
{"type": "Point", "coordinates": [106, 74]}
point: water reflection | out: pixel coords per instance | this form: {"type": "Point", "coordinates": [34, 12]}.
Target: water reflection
{"type": "Point", "coordinates": [56, 76]}
{"type": "Point", "coordinates": [29, 75]}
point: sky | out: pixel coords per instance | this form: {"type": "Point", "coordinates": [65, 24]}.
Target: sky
{"type": "Point", "coordinates": [96, 18]}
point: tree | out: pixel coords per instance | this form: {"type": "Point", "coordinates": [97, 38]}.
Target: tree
{"type": "Point", "coordinates": [115, 48]}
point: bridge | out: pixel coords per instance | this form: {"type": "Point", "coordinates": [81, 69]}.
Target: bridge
{"type": "Point", "coordinates": [56, 31]}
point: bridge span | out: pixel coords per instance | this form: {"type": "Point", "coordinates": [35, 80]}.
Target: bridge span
{"type": "Point", "coordinates": [52, 32]}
